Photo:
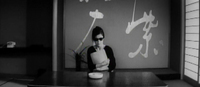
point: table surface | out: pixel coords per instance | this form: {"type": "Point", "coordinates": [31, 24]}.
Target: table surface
{"type": "Point", "coordinates": [110, 79]}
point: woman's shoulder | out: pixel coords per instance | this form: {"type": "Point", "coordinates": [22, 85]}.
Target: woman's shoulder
{"type": "Point", "coordinates": [107, 47]}
{"type": "Point", "coordinates": [91, 49]}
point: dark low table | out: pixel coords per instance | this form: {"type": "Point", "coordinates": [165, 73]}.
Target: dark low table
{"type": "Point", "coordinates": [113, 79]}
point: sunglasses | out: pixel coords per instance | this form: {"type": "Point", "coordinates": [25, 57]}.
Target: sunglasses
{"type": "Point", "coordinates": [96, 39]}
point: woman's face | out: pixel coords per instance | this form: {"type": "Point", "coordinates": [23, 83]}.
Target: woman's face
{"type": "Point", "coordinates": [99, 40]}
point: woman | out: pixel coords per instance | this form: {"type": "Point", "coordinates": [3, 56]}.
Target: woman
{"type": "Point", "coordinates": [103, 50]}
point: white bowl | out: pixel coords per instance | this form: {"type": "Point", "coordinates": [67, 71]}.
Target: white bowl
{"type": "Point", "coordinates": [95, 75]}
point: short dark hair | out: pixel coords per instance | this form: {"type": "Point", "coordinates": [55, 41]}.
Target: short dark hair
{"type": "Point", "coordinates": [96, 31]}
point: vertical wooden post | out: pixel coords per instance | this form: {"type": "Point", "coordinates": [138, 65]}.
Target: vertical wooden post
{"type": "Point", "coordinates": [55, 12]}
{"type": "Point", "coordinates": [182, 38]}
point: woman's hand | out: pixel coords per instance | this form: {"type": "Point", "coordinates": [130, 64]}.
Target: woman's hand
{"type": "Point", "coordinates": [103, 66]}
{"type": "Point", "coordinates": [104, 63]}
{"type": "Point", "coordinates": [98, 48]}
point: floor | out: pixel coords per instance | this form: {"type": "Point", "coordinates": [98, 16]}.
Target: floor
{"type": "Point", "coordinates": [177, 83]}
{"type": "Point", "coordinates": [24, 82]}
{"type": "Point", "coordinates": [8, 80]}
{"type": "Point", "coordinates": [14, 83]}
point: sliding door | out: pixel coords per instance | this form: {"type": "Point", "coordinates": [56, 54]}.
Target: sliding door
{"type": "Point", "coordinates": [191, 60]}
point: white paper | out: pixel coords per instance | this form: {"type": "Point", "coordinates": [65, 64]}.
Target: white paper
{"type": "Point", "coordinates": [98, 57]}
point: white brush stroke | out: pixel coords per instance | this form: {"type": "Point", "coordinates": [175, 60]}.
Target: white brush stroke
{"type": "Point", "coordinates": [148, 20]}
{"type": "Point", "coordinates": [96, 15]}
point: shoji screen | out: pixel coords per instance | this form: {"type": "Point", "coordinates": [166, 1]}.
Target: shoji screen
{"type": "Point", "coordinates": [191, 63]}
